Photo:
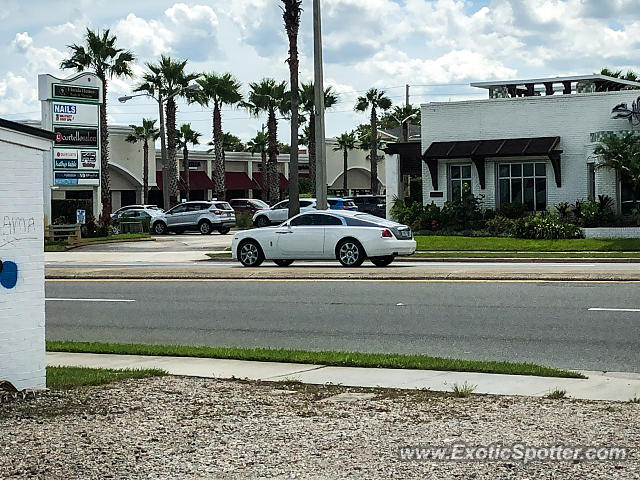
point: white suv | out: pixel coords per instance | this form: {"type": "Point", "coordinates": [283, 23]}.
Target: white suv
{"type": "Point", "coordinates": [280, 212]}
{"type": "Point", "coordinates": [200, 215]}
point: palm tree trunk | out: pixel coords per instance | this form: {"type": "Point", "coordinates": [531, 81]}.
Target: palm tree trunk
{"type": "Point", "coordinates": [105, 183]}
{"type": "Point", "coordinates": [145, 172]}
{"type": "Point", "coordinates": [218, 152]}
{"type": "Point", "coordinates": [185, 167]}
{"type": "Point", "coordinates": [292, 23]}
{"type": "Point", "coordinates": [345, 166]}
{"type": "Point", "coordinates": [374, 151]}
{"type": "Point", "coordinates": [265, 167]}
{"type": "Point", "coordinates": [172, 167]}
{"type": "Point", "coordinates": [312, 151]}
{"type": "Point", "coordinates": [272, 168]}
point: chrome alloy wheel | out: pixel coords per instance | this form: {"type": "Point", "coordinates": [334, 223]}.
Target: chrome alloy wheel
{"type": "Point", "coordinates": [249, 254]}
{"type": "Point", "coordinates": [349, 253]}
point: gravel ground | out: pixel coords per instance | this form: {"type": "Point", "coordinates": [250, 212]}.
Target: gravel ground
{"type": "Point", "coordinates": [186, 428]}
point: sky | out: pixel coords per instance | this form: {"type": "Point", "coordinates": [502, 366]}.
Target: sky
{"type": "Point", "coordinates": [436, 46]}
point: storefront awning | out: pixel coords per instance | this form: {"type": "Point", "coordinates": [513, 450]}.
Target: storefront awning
{"type": "Point", "coordinates": [478, 150]}
{"type": "Point", "coordinates": [198, 180]}
{"type": "Point", "coordinates": [238, 181]}
{"type": "Point", "coordinates": [284, 183]}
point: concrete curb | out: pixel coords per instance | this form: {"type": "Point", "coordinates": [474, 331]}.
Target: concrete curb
{"type": "Point", "coordinates": [616, 386]}
{"type": "Point", "coordinates": [328, 275]}
{"type": "Point", "coordinates": [102, 242]}
{"type": "Point", "coordinates": [488, 260]}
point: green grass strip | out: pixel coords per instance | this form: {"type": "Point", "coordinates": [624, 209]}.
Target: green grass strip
{"type": "Point", "coordinates": [470, 254]}
{"type": "Point", "coordinates": [454, 243]}
{"type": "Point", "coordinates": [67, 377]}
{"type": "Point", "coordinates": [341, 359]}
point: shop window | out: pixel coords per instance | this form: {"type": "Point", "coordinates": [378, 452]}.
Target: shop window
{"type": "Point", "coordinates": [524, 183]}
{"type": "Point", "coordinates": [627, 197]}
{"type": "Point", "coordinates": [459, 176]}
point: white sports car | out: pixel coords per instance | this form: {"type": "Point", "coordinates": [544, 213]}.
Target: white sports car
{"type": "Point", "coordinates": [350, 237]}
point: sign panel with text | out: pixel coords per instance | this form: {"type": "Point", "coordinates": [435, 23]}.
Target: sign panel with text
{"type": "Point", "coordinates": [74, 114]}
{"type": "Point", "coordinates": [76, 136]}
{"type": "Point", "coordinates": [75, 91]}
{"type": "Point", "coordinates": [76, 178]}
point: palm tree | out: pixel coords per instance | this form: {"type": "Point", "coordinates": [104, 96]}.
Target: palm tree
{"type": "Point", "coordinates": [307, 104]}
{"type": "Point", "coordinates": [397, 114]}
{"type": "Point", "coordinates": [622, 154]}
{"type": "Point", "coordinates": [373, 99]}
{"type": "Point", "coordinates": [186, 136]}
{"type": "Point", "coordinates": [269, 96]}
{"type": "Point", "coordinates": [101, 55]}
{"type": "Point", "coordinates": [220, 90]}
{"type": "Point", "coordinates": [168, 80]}
{"type": "Point", "coordinates": [144, 133]}
{"type": "Point", "coordinates": [231, 143]}
{"type": "Point", "coordinates": [346, 142]}
{"type": "Point", "coordinates": [257, 144]}
{"type": "Point", "coordinates": [291, 15]}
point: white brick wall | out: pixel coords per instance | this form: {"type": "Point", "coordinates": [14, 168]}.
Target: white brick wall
{"type": "Point", "coordinates": [22, 312]}
{"type": "Point", "coordinates": [571, 117]}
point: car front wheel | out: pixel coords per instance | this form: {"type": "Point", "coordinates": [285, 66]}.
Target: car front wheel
{"type": "Point", "coordinates": [262, 221]}
{"type": "Point", "coordinates": [250, 254]}
{"type": "Point", "coordinates": [382, 261]}
{"type": "Point", "coordinates": [159, 228]}
{"type": "Point", "coordinates": [205, 228]}
{"type": "Point", "coordinates": [350, 253]}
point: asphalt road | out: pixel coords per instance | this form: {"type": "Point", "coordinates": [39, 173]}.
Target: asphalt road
{"type": "Point", "coordinates": [548, 323]}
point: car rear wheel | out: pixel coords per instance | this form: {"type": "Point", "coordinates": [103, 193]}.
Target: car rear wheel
{"type": "Point", "coordinates": [160, 228]}
{"type": "Point", "coordinates": [262, 221]}
{"type": "Point", "coordinates": [250, 254]}
{"type": "Point", "coordinates": [350, 253]}
{"type": "Point", "coordinates": [382, 261]}
{"type": "Point", "coordinates": [224, 230]}
{"type": "Point", "coordinates": [205, 228]}
{"type": "Point", "coordinates": [283, 263]}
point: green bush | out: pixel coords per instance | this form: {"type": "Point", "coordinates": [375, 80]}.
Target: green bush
{"type": "Point", "coordinates": [500, 226]}
{"type": "Point", "coordinates": [511, 210]}
{"type": "Point", "coordinates": [597, 213]}
{"type": "Point", "coordinates": [243, 221]}
{"type": "Point", "coordinates": [545, 227]}
{"type": "Point", "coordinates": [464, 212]}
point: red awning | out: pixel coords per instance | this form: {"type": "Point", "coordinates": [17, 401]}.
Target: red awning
{"type": "Point", "coordinates": [198, 180]}
{"type": "Point", "coordinates": [284, 183]}
{"type": "Point", "coordinates": [239, 181]}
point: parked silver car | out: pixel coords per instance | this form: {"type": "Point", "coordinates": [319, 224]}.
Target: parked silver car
{"type": "Point", "coordinates": [203, 216]}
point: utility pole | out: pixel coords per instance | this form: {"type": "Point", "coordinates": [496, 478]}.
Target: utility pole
{"type": "Point", "coordinates": [406, 95]}
{"type": "Point", "coordinates": [163, 153]}
{"type": "Point", "coordinates": [321, 157]}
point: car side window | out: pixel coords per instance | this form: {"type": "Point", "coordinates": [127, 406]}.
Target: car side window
{"type": "Point", "coordinates": [178, 209]}
{"type": "Point", "coordinates": [332, 202]}
{"type": "Point", "coordinates": [305, 203]}
{"type": "Point", "coordinates": [280, 205]}
{"type": "Point", "coordinates": [356, 222]}
{"type": "Point", "coordinates": [326, 220]}
{"type": "Point", "coordinates": [302, 220]}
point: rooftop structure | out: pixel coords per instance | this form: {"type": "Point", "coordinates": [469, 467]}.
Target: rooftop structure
{"type": "Point", "coordinates": [550, 86]}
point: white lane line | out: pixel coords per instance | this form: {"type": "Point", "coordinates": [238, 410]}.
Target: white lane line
{"type": "Point", "coordinates": [614, 309]}
{"type": "Point", "coordinates": [88, 300]}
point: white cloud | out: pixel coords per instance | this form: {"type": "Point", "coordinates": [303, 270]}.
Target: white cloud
{"type": "Point", "coordinates": [18, 96]}
{"type": "Point", "coordinates": [22, 42]}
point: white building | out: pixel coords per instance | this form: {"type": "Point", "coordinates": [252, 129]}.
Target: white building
{"type": "Point", "coordinates": [534, 145]}
{"type": "Point", "coordinates": [22, 314]}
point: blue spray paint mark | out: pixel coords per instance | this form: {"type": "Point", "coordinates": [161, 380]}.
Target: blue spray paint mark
{"type": "Point", "coordinates": [9, 275]}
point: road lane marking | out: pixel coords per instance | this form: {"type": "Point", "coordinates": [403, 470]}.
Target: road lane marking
{"type": "Point", "coordinates": [614, 309]}
{"type": "Point", "coordinates": [117, 300]}
{"type": "Point", "coordinates": [335, 280]}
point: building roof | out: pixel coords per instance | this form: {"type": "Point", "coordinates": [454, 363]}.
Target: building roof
{"type": "Point", "coordinates": [603, 83]}
{"type": "Point", "coordinates": [27, 129]}
{"type": "Point", "coordinates": [415, 132]}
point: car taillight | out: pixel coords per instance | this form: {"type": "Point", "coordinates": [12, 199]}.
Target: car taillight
{"type": "Point", "coordinates": [215, 212]}
{"type": "Point", "coordinates": [386, 233]}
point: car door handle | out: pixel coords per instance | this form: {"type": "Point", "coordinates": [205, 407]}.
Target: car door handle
{"type": "Point", "coordinates": [286, 231]}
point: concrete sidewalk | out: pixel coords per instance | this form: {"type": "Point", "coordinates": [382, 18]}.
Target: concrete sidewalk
{"type": "Point", "coordinates": [615, 386]}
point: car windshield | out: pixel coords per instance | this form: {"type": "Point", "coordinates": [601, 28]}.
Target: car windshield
{"type": "Point", "coordinates": [223, 206]}
{"type": "Point", "coordinates": [260, 203]}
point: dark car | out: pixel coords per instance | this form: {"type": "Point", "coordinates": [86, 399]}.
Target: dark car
{"type": "Point", "coordinates": [373, 204]}
{"type": "Point", "coordinates": [248, 206]}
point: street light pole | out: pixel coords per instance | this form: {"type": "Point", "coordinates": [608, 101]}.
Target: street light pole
{"type": "Point", "coordinates": [321, 157]}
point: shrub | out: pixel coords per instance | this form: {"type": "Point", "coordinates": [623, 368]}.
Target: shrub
{"type": "Point", "coordinates": [462, 212]}
{"type": "Point", "coordinates": [511, 210]}
{"type": "Point", "coordinates": [545, 227]}
{"type": "Point", "coordinates": [597, 213]}
{"type": "Point", "coordinates": [500, 226]}
{"type": "Point", "coordinates": [563, 209]}
{"type": "Point", "coordinates": [243, 221]}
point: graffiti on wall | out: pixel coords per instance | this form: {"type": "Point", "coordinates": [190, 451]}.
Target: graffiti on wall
{"type": "Point", "coordinates": [13, 231]}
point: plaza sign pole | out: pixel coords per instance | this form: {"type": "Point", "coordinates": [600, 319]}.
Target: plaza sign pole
{"type": "Point", "coordinates": [321, 155]}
